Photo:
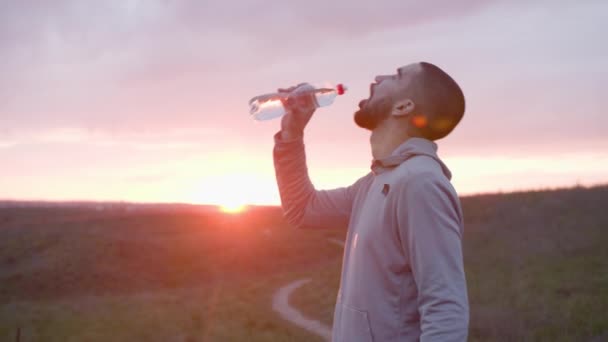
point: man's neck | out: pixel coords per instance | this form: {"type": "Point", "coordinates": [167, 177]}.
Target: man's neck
{"type": "Point", "coordinates": [385, 139]}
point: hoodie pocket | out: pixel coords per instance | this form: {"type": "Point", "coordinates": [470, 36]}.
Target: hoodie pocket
{"type": "Point", "coordinates": [354, 325]}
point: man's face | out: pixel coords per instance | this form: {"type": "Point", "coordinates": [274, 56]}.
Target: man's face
{"type": "Point", "coordinates": [382, 94]}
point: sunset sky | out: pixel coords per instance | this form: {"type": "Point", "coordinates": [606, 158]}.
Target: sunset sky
{"type": "Point", "coordinates": [147, 100]}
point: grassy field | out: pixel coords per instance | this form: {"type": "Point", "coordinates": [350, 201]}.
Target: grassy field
{"type": "Point", "coordinates": [83, 275]}
{"type": "Point", "coordinates": [537, 269]}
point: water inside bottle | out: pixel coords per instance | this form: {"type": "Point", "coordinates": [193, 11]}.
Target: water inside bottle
{"type": "Point", "coordinates": [268, 106]}
{"type": "Point", "coordinates": [325, 97]}
{"type": "Point", "coordinates": [266, 110]}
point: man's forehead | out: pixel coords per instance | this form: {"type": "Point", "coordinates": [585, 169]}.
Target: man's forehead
{"type": "Point", "coordinates": [410, 68]}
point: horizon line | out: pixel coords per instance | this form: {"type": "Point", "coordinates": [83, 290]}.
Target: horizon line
{"type": "Point", "coordinates": [143, 203]}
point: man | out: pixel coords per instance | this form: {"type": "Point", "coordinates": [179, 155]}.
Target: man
{"type": "Point", "coordinates": [402, 274]}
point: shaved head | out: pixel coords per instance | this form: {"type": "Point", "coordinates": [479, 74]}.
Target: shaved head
{"type": "Point", "coordinates": [439, 102]}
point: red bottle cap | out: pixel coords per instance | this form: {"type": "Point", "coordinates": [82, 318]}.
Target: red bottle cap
{"type": "Point", "coordinates": [340, 88]}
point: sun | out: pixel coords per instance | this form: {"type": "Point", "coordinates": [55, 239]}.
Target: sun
{"type": "Point", "coordinates": [233, 208]}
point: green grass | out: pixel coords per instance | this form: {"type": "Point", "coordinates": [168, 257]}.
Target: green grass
{"type": "Point", "coordinates": [536, 263]}
{"type": "Point", "coordinates": [220, 312]}
{"type": "Point", "coordinates": [77, 275]}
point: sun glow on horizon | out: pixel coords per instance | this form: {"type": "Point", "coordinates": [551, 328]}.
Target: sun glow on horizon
{"type": "Point", "coordinates": [233, 208]}
{"type": "Point", "coordinates": [231, 190]}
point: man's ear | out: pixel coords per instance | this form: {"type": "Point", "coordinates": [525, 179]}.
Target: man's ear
{"type": "Point", "coordinates": [403, 107]}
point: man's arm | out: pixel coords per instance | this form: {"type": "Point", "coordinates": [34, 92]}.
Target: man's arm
{"type": "Point", "coordinates": [430, 226]}
{"type": "Point", "coordinates": [302, 204]}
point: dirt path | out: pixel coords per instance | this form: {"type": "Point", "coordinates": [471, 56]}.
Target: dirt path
{"type": "Point", "coordinates": [280, 304]}
{"type": "Point", "coordinates": [336, 241]}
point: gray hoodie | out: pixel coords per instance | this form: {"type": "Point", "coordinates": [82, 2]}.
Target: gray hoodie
{"type": "Point", "coordinates": [402, 272]}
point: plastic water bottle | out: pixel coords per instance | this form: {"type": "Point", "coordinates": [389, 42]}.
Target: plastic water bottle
{"type": "Point", "coordinates": [269, 106]}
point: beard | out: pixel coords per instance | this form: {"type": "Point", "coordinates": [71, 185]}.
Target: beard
{"type": "Point", "coordinates": [370, 115]}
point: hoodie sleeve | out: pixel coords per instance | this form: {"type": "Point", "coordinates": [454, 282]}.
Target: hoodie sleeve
{"type": "Point", "coordinates": [303, 206]}
{"type": "Point", "coordinates": [430, 227]}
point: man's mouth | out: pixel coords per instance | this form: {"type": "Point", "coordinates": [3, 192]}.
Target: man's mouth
{"type": "Point", "coordinates": [362, 103]}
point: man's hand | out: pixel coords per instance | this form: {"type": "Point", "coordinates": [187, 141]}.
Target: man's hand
{"type": "Point", "coordinates": [299, 107]}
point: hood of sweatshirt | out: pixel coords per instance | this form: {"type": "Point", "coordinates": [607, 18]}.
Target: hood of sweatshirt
{"type": "Point", "coordinates": [409, 149]}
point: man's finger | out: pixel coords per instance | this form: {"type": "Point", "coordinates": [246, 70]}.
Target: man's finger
{"type": "Point", "coordinates": [301, 100]}
{"type": "Point", "coordinates": [286, 90]}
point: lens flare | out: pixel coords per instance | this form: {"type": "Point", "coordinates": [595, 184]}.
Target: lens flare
{"type": "Point", "coordinates": [419, 121]}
